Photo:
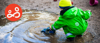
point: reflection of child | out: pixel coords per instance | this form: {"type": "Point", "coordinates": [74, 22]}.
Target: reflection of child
{"type": "Point", "coordinates": [72, 19]}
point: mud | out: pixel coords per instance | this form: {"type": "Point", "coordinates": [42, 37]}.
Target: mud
{"type": "Point", "coordinates": [27, 29]}
{"type": "Point", "coordinates": [3, 20]}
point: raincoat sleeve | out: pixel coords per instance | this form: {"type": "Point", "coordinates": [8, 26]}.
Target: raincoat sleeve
{"type": "Point", "coordinates": [86, 14]}
{"type": "Point", "coordinates": [58, 24]}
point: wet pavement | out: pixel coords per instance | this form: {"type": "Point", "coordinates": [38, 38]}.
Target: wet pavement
{"type": "Point", "coordinates": [27, 29]}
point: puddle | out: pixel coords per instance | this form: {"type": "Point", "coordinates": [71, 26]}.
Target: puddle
{"type": "Point", "coordinates": [27, 29]}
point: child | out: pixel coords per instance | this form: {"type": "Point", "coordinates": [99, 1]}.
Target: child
{"type": "Point", "coordinates": [72, 20]}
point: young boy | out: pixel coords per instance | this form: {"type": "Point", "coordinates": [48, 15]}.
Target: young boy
{"type": "Point", "coordinates": [72, 20]}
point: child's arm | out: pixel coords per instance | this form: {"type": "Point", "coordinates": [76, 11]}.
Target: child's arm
{"type": "Point", "coordinates": [58, 24]}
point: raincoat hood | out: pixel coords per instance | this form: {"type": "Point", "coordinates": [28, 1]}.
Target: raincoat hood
{"type": "Point", "coordinates": [72, 12]}
{"type": "Point", "coordinates": [68, 12]}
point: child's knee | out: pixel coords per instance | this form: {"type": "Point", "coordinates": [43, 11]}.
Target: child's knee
{"type": "Point", "coordinates": [70, 35]}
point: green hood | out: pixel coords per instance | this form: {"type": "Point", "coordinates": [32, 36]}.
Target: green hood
{"type": "Point", "coordinates": [70, 13]}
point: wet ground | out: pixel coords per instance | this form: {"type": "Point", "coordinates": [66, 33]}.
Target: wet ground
{"type": "Point", "coordinates": [28, 28]}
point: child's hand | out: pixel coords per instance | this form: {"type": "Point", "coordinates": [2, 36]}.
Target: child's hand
{"type": "Point", "coordinates": [50, 28]}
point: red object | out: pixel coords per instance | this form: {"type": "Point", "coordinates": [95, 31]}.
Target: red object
{"type": "Point", "coordinates": [93, 2]}
{"type": "Point", "coordinates": [13, 12]}
{"type": "Point", "coordinates": [72, 2]}
{"type": "Point", "coordinates": [54, 0]}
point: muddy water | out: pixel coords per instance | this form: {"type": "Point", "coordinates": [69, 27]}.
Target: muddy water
{"type": "Point", "coordinates": [27, 29]}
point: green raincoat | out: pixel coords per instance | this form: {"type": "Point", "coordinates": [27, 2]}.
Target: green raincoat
{"type": "Point", "coordinates": [73, 21]}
